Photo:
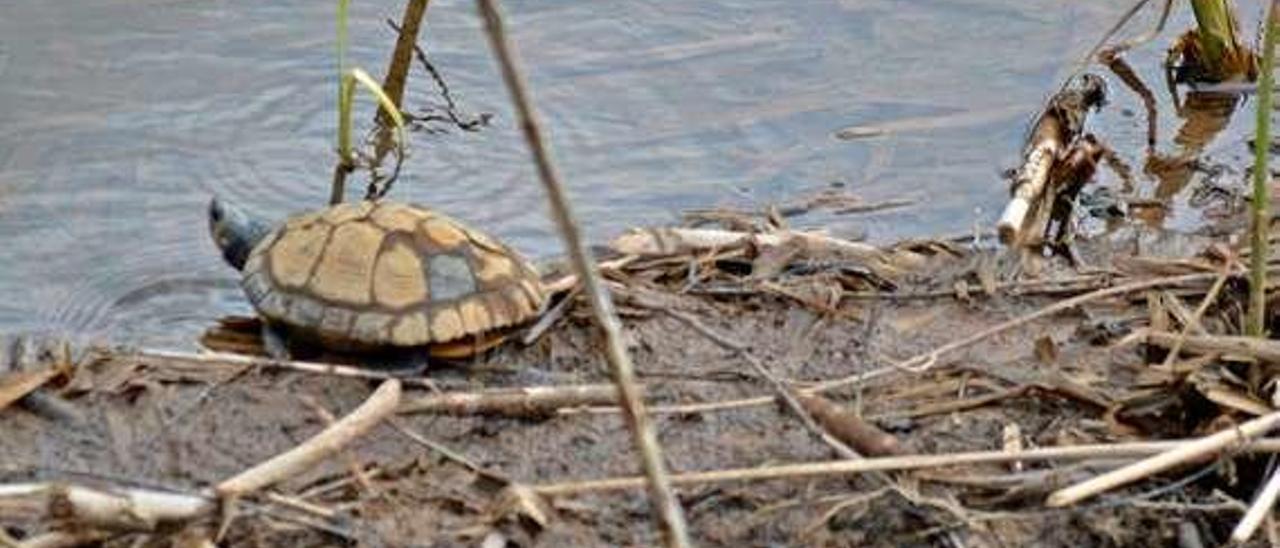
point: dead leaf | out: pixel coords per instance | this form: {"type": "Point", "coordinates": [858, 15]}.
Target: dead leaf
{"type": "Point", "coordinates": [519, 501]}
{"type": "Point", "coordinates": [1046, 350]}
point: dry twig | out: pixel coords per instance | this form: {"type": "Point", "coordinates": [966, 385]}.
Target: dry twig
{"type": "Point", "coordinates": [809, 413]}
{"type": "Point", "coordinates": [527, 402]}
{"type": "Point", "coordinates": [170, 359]}
{"type": "Point", "coordinates": [438, 448]}
{"type": "Point", "coordinates": [909, 462]}
{"type": "Point", "coordinates": [1266, 350]}
{"type": "Point", "coordinates": [401, 58]}
{"type": "Point", "coordinates": [380, 405]}
{"type": "Point", "coordinates": [353, 465]}
{"type": "Point", "coordinates": [678, 241]}
{"type": "Point", "coordinates": [666, 507]}
{"type": "Point", "coordinates": [922, 362]}
{"type": "Point", "coordinates": [1187, 327]}
{"type": "Point", "coordinates": [848, 427]}
{"type": "Point", "coordinates": [1165, 460]}
{"type": "Point", "coordinates": [1258, 510]}
{"type": "Point", "coordinates": [125, 508]}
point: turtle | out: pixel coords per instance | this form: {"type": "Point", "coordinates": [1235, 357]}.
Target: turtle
{"type": "Point", "coordinates": [376, 277]}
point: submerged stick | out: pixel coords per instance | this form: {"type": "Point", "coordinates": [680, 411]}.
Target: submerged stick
{"type": "Point", "coordinates": [380, 405]}
{"type": "Point", "coordinates": [669, 513]}
{"type": "Point", "coordinates": [1121, 68]}
{"type": "Point", "coordinates": [1182, 454]}
{"type": "Point", "coordinates": [908, 462]}
{"type": "Point", "coordinates": [1127, 44]}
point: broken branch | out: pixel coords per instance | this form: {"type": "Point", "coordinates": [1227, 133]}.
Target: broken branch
{"type": "Point", "coordinates": [1057, 127]}
{"type": "Point", "coordinates": [1163, 461]}
{"type": "Point", "coordinates": [369, 414]}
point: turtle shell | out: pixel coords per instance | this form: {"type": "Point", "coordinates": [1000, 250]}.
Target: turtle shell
{"type": "Point", "coordinates": [385, 274]}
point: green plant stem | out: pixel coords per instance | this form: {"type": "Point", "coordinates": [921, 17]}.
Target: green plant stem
{"type": "Point", "coordinates": [1215, 30]}
{"type": "Point", "coordinates": [1260, 226]}
{"type": "Point", "coordinates": [344, 166]}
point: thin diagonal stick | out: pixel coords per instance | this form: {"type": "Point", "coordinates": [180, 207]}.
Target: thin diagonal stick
{"type": "Point", "coordinates": [666, 507]}
{"type": "Point", "coordinates": [1208, 300]}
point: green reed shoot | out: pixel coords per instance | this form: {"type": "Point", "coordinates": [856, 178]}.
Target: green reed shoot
{"type": "Point", "coordinates": [1219, 50]}
{"type": "Point", "coordinates": [1216, 30]}
{"type": "Point", "coordinates": [348, 78]}
{"type": "Point", "coordinates": [1261, 218]}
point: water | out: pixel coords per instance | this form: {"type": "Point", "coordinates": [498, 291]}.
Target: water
{"type": "Point", "coordinates": [118, 121]}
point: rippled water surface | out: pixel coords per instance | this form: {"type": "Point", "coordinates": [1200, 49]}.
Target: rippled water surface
{"type": "Point", "coordinates": [119, 119]}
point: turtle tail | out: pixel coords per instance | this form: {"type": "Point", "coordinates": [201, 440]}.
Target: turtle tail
{"type": "Point", "coordinates": [235, 231]}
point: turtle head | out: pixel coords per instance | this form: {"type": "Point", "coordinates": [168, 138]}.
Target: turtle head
{"type": "Point", "coordinates": [234, 231]}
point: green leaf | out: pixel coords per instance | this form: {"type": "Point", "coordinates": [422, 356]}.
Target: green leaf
{"type": "Point", "coordinates": [346, 98]}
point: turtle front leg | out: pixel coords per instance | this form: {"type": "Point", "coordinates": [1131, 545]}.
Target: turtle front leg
{"type": "Point", "coordinates": [276, 342]}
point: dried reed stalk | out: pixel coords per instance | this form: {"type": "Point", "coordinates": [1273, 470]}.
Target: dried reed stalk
{"type": "Point", "coordinates": [669, 513]}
